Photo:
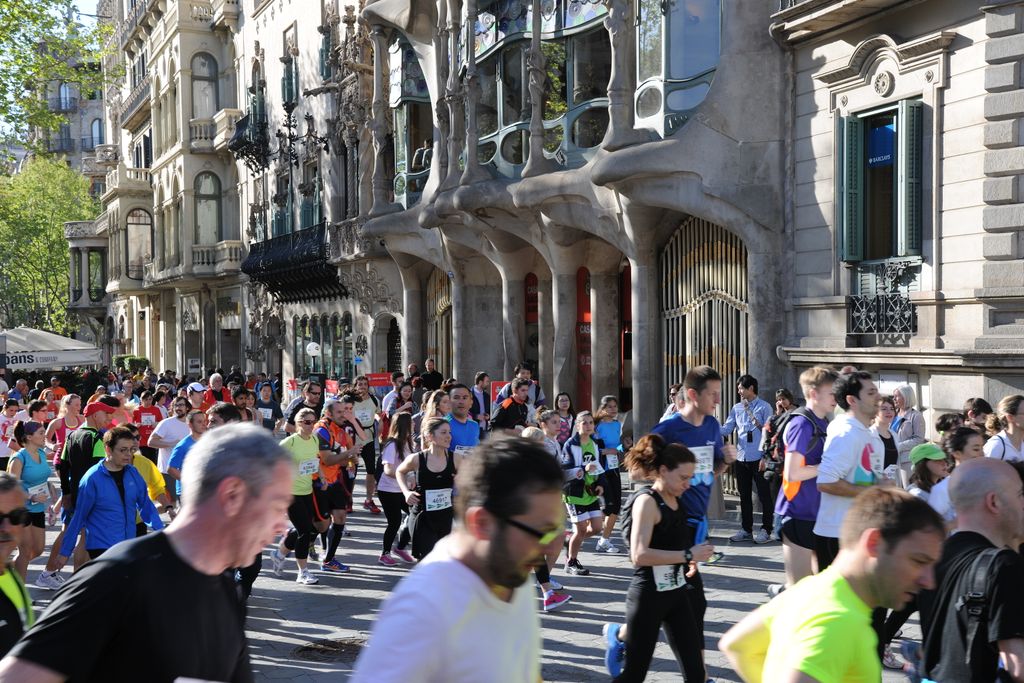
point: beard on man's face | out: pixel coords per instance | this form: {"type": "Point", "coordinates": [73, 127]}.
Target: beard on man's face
{"type": "Point", "coordinates": [505, 570]}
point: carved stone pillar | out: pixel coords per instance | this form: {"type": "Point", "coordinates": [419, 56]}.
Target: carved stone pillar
{"type": "Point", "coordinates": [378, 122]}
{"type": "Point", "coordinates": [537, 164]}
{"type": "Point", "coordinates": [605, 335]}
{"type": "Point", "coordinates": [622, 83]}
{"type": "Point", "coordinates": [441, 107]}
{"type": "Point", "coordinates": [474, 172]}
{"type": "Point", "coordinates": [647, 352]}
{"type": "Point", "coordinates": [455, 97]}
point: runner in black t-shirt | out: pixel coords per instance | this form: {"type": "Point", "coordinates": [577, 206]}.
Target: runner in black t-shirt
{"type": "Point", "coordinates": [988, 496]}
{"type": "Point", "coordinates": [112, 622]}
{"type": "Point", "coordinates": [512, 415]}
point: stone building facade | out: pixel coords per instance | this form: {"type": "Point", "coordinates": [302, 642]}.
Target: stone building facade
{"type": "Point", "coordinates": [904, 216]}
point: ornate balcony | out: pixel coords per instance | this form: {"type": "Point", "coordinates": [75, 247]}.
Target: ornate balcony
{"type": "Point", "coordinates": [60, 145]}
{"type": "Point", "coordinates": [224, 122]}
{"type": "Point", "coordinates": [801, 19]}
{"type": "Point", "coordinates": [217, 260]}
{"type": "Point", "coordinates": [63, 104]}
{"type": "Point", "coordinates": [225, 14]}
{"type": "Point", "coordinates": [295, 267]}
{"type": "Point", "coordinates": [881, 313]}
{"type": "Point", "coordinates": [200, 135]}
{"type": "Point", "coordinates": [137, 105]}
{"type": "Point", "coordinates": [127, 181]}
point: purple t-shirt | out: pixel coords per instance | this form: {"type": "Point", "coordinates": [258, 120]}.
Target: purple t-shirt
{"type": "Point", "coordinates": [800, 499]}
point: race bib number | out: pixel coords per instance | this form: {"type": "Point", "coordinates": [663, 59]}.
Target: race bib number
{"type": "Point", "coordinates": [705, 459]}
{"type": "Point", "coordinates": [148, 420]}
{"type": "Point", "coordinates": [311, 466]}
{"type": "Point", "coordinates": [613, 461]}
{"type": "Point", "coordinates": [668, 577]}
{"type": "Point", "coordinates": [438, 499]}
{"type": "Point", "coordinates": [365, 417]}
{"type": "Point", "coordinates": [267, 413]}
{"type": "Point", "coordinates": [42, 490]}
{"type": "Point", "coordinates": [463, 450]}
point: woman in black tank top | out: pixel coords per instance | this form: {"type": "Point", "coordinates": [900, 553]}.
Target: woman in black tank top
{"type": "Point", "coordinates": [661, 548]}
{"type": "Point", "coordinates": [430, 503]}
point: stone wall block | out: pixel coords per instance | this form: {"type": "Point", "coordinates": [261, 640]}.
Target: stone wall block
{"type": "Point", "coordinates": [1004, 218]}
{"type": "Point", "coordinates": [1001, 134]}
{"type": "Point", "coordinates": [1002, 190]}
{"type": "Point", "coordinates": [1001, 162]}
{"type": "Point", "coordinates": [1001, 247]}
{"type": "Point", "coordinates": [1004, 105]}
{"type": "Point", "coordinates": [1002, 21]}
{"type": "Point", "coordinates": [1003, 273]}
{"type": "Point", "coordinates": [1002, 77]}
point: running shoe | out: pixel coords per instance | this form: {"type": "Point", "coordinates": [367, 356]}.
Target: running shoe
{"type": "Point", "coordinates": [553, 601]}
{"type": "Point", "coordinates": [334, 566]}
{"type": "Point", "coordinates": [370, 506]}
{"type": "Point", "coordinates": [306, 579]}
{"type": "Point", "coordinates": [741, 536]}
{"type": "Point", "coordinates": [774, 589]}
{"type": "Point", "coordinates": [49, 581]}
{"type": "Point", "coordinates": [606, 546]}
{"type": "Point", "coordinates": [278, 562]}
{"type": "Point", "coordinates": [555, 586]}
{"type": "Point", "coordinates": [891, 661]}
{"type": "Point", "coordinates": [386, 560]}
{"type": "Point", "coordinates": [575, 568]}
{"type": "Point", "coordinates": [614, 649]}
{"type": "Point", "coordinates": [762, 537]}
{"type": "Point", "coordinates": [404, 555]}
{"type": "Point", "coordinates": [314, 554]}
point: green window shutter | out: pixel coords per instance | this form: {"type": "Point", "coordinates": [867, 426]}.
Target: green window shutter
{"type": "Point", "coordinates": [853, 189]}
{"type": "Point", "coordinates": [910, 139]}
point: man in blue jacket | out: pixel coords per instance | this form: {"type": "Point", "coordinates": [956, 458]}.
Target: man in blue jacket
{"type": "Point", "coordinates": [109, 495]}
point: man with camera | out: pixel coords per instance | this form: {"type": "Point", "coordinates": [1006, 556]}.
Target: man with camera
{"type": "Point", "coordinates": [748, 418]}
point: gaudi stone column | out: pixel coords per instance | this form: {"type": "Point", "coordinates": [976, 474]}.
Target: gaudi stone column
{"type": "Point", "coordinates": [413, 350]}
{"type": "Point", "coordinates": [546, 334]}
{"type": "Point", "coordinates": [514, 320]}
{"type": "Point", "coordinates": [647, 353]}
{"type": "Point", "coordinates": [605, 335]}
{"type": "Point", "coordinates": [564, 370]}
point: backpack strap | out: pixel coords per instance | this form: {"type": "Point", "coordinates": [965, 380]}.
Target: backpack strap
{"type": "Point", "coordinates": [975, 601]}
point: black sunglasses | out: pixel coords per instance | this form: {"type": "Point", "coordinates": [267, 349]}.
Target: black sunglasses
{"type": "Point", "coordinates": [543, 537]}
{"type": "Point", "coordinates": [307, 422]}
{"type": "Point", "coordinates": [18, 517]}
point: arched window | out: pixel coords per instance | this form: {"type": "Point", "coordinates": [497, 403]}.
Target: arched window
{"type": "Point", "coordinates": [139, 241]}
{"type": "Point", "coordinates": [207, 198]}
{"type": "Point", "coordinates": [204, 86]}
{"type": "Point", "coordinates": [96, 130]}
{"type": "Point", "coordinates": [65, 97]}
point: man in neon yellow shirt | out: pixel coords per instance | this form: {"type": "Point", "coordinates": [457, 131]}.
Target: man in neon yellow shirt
{"type": "Point", "coordinates": [820, 630]}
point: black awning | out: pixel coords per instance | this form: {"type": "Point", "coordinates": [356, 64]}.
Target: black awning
{"type": "Point", "coordinates": [294, 267]}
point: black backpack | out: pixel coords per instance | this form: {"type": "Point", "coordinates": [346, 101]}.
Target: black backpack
{"type": "Point", "coordinates": [626, 518]}
{"type": "Point", "coordinates": [777, 448]}
{"type": "Point", "coordinates": [975, 602]}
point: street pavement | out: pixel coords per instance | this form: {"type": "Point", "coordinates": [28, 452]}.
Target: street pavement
{"type": "Point", "coordinates": [313, 633]}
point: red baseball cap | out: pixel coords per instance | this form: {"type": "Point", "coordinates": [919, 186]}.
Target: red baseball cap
{"type": "Point", "coordinates": [96, 407]}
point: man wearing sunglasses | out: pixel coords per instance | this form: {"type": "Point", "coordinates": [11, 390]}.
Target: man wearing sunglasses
{"type": "Point", "coordinates": [470, 588]}
{"type": "Point", "coordinates": [312, 398]}
{"type": "Point", "coordinates": [15, 603]}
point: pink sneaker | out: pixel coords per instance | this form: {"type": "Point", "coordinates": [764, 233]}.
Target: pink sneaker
{"type": "Point", "coordinates": [386, 560]}
{"type": "Point", "coordinates": [404, 556]}
{"type": "Point", "coordinates": [553, 601]}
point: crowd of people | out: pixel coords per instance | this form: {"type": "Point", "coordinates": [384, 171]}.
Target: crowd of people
{"type": "Point", "coordinates": [482, 496]}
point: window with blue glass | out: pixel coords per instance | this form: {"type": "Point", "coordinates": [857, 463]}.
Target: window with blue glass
{"type": "Point", "coordinates": [880, 190]}
{"type": "Point", "coordinates": [677, 50]}
{"type": "Point", "coordinates": [413, 123]}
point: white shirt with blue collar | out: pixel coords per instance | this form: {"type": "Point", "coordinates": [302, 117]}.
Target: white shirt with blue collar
{"type": "Point", "coordinates": [748, 421]}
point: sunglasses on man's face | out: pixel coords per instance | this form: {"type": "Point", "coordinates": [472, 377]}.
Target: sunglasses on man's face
{"type": "Point", "coordinates": [18, 517]}
{"type": "Point", "coordinates": [543, 537]}
{"type": "Point", "coordinates": [306, 422]}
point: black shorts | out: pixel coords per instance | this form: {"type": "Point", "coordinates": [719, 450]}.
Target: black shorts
{"type": "Point", "coordinates": [799, 532]}
{"type": "Point", "coordinates": [581, 513]}
{"type": "Point", "coordinates": [612, 493]}
{"type": "Point", "coordinates": [334, 497]}
{"type": "Point", "coordinates": [37, 519]}
{"type": "Point", "coordinates": [369, 455]}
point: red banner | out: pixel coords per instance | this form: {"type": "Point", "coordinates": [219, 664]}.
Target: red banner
{"type": "Point", "coordinates": [379, 379]}
{"type": "Point", "coordinates": [496, 386]}
{"type": "Point", "coordinates": [332, 386]}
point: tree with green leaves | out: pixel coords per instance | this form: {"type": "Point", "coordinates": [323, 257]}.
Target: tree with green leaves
{"type": "Point", "coordinates": [43, 44]}
{"type": "Point", "coordinates": [34, 258]}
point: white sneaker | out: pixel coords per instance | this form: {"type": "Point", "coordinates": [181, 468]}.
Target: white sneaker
{"type": "Point", "coordinates": [762, 537]}
{"type": "Point", "coordinates": [277, 562]}
{"type": "Point", "coordinates": [555, 586]}
{"type": "Point", "coordinates": [606, 546]}
{"type": "Point", "coordinates": [305, 578]}
{"type": "Point", "coordinates": [48, 581]}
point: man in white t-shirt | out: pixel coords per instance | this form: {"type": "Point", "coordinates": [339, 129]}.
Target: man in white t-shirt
{"type": "Point", "coordinates": [853, 458]}
{"type": "Point", "coordinates": [483, 622]}
{"type": "Point", "coordinates": [166, 436]}
{"type": "Point", "coordinates": [7, 422]}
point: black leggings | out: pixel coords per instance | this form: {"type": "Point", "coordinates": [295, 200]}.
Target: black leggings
{"type": "Point", "coordinates": [300, 514]}
{"type": "Point", "coordinates": [394, 505]}
{"type": "Point", "coordinates": [647, 611]}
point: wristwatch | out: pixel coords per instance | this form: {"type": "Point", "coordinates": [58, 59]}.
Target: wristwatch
{"type": "Point", "coordinates": [687, 556]}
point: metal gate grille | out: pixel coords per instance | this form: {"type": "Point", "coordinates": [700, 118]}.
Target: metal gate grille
{"type": "Point", "coordinates": [704, 306]}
